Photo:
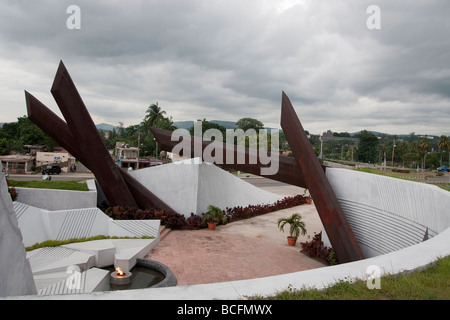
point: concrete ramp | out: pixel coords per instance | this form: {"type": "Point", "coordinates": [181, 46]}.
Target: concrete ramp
{"type": "Point", "coordinates": [190, 186]}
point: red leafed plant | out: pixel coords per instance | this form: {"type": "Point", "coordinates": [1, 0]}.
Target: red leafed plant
{"type": "Point", "coordinates": [12, 191]}
{"type": "Point", "coordinates": [178, 221]}
{"type": "Point", "coordinates": [316, 249]}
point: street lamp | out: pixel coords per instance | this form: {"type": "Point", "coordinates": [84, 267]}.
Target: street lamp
{"type": "Point", "coordinates": [393, 150]}
{"type": "Point", "coordinates": [156, 151]}
{"type": "Point", "coordinates": [321, 146]}
{"type": "Point", "coordinates": [425, 160]}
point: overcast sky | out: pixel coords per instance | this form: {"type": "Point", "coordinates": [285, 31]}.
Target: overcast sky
{"type": "Point", "coordinates": [225, 60]}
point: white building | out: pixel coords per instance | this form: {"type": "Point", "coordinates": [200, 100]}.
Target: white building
{"type": "Point", "coordinates": [127, 156]}
{"type": "Point", "coordinates": [64, 159]}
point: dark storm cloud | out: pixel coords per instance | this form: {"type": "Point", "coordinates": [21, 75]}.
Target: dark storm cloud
{"type": "Point", "coordinates": [231, 59]}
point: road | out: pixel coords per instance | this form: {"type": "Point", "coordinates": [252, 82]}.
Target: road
{"type": "Point", "coordinates": [57, 177]}
{"type": "Point", "coordinates": [254, 180]}
{"type": "Point", "coordinates": [264, 182]}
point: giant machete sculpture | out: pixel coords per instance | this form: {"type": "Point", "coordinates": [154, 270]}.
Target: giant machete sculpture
{"type": "Point", "coordinates": [80, 137]}
{"type": "Point", "coordinates": [333, 219]}
{"type": "Point", "coordinates": [304, 170]}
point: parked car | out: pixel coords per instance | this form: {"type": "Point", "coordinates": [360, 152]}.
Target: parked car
{"type": "Point", "coordinates": [443, 168]}
{"type": "Point", "coordinates": [52, 170]}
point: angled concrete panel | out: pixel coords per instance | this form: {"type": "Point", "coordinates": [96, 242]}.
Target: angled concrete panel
{"type": "Point", "coordinates": [191, 185]}
{"type": "Point", "coordinates": [15, 276]}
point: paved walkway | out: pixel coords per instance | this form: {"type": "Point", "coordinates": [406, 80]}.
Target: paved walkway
{"type": "Point", "coordinates": [245, 249]}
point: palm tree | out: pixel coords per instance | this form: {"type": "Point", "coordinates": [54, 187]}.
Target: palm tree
{"type": "Point", "coordinates": [443, 144]}
{"type": "Point", "coordinates": [404, 149]}
{"type": "Point", "coordinates": [154, 113]}
{"type": "Point", "coordinates": [423, 147]}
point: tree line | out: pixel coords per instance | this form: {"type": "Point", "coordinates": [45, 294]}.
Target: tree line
{"type": "Point", "coordinates": [406, 151]}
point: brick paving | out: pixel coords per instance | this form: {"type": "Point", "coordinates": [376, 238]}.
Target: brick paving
{"type": "Point", "coordinates": [205, 256]}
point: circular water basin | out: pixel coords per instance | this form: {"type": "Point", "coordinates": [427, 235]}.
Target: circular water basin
{"type": "Point", "coordinates": [146, 274]}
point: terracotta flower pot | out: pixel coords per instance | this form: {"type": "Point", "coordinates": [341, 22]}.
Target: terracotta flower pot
{"type": "Point", "coordinates": [291, 240]}
{"type": "Point", "coordinates": [211, 226]}
{"type": "Point", "coordinates": [308, 201]}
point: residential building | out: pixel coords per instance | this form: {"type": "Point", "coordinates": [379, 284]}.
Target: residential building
{"type": "Point", "coordinates": [64, 159]}
{"type": "Point", "coordinates": [127, 156]}
{"type": "Point", "coordinates": [17, 163]}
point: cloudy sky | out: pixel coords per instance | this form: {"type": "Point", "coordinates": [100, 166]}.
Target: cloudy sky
{"type": "Point", "coordinates": [229, 59]}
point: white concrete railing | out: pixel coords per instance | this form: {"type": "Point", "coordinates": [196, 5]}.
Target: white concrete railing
{"type": "Point", "coordinates": [400, 208]}
{"type": "Point", "coordinates": [51, 199]}
{"type": "Point", "coordinates": [388, 214]}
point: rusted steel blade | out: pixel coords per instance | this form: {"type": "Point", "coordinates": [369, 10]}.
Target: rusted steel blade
{"type": "Point", "coordinates": [333, 219]}
{"type": "Point", "coordinates": [54, 126]}
{"type": "Point", "coordinates": [288, 170]}
{"type": "Point", "coordinates": [88, 139]}
{"type": "Point", "coordinates": [58, 130]}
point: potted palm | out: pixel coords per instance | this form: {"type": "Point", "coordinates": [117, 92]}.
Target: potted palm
{"type": "Point", "coordinates": [307, 196]}
{"type": "Point", "coordinates": [213, 216]}
{"type": "Point", "coordinates": [296, 227]}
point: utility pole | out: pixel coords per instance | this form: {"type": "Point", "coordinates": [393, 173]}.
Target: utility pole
{"type": "Point", "coordinates": [321, 146]}
{"type": "Point", "coordinates": [393, 150]}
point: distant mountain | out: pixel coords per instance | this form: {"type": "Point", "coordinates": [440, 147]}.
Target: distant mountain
{"type": "Point", "coordinates": [105, 127]}
{"type": "Point", "coordinates": [377, 133]}
{"type": "Point", "coordinates": [226, 124]}
{"type": "Point", "coordinates": [183, 124]}
{"type": "Point", "coordinates": [188, 124]}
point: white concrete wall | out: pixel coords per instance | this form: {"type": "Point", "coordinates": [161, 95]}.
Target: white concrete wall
{"type": "Point", "coordinates": [38, 225]}
{"type": "Point", "coordinates": [222, 189]}
{"type": "Point", "coordinates": [51, 199]}
{"type": "Point", "coordinates": [388, 214]}
{"type": "Point", "coordinates": [175, 184]}
{"type": "Point", "coordinates": [15, 277]}
{"type": "Point", "coordinates": [191, 186]}
{"type": "Point", "coordinates": [408, 258]}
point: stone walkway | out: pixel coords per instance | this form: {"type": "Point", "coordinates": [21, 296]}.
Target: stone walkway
{"type": "Point", "coordinates": [240, 250]}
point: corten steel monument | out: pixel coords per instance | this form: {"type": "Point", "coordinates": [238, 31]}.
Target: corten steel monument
{"type": "Point", "coordinates": [304, 170]}
{"type": "Point", "coordinates": [80, 137]}
{"type": "Point", "coordinates": [333, 219]}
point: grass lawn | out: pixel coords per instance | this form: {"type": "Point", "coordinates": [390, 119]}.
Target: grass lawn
{"type": "Point", "coordinates": [431, 283]}
{"type": "Point", "coordinates": [412, 176]}
{"type": "Point", "coordinates": [46, 184]}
